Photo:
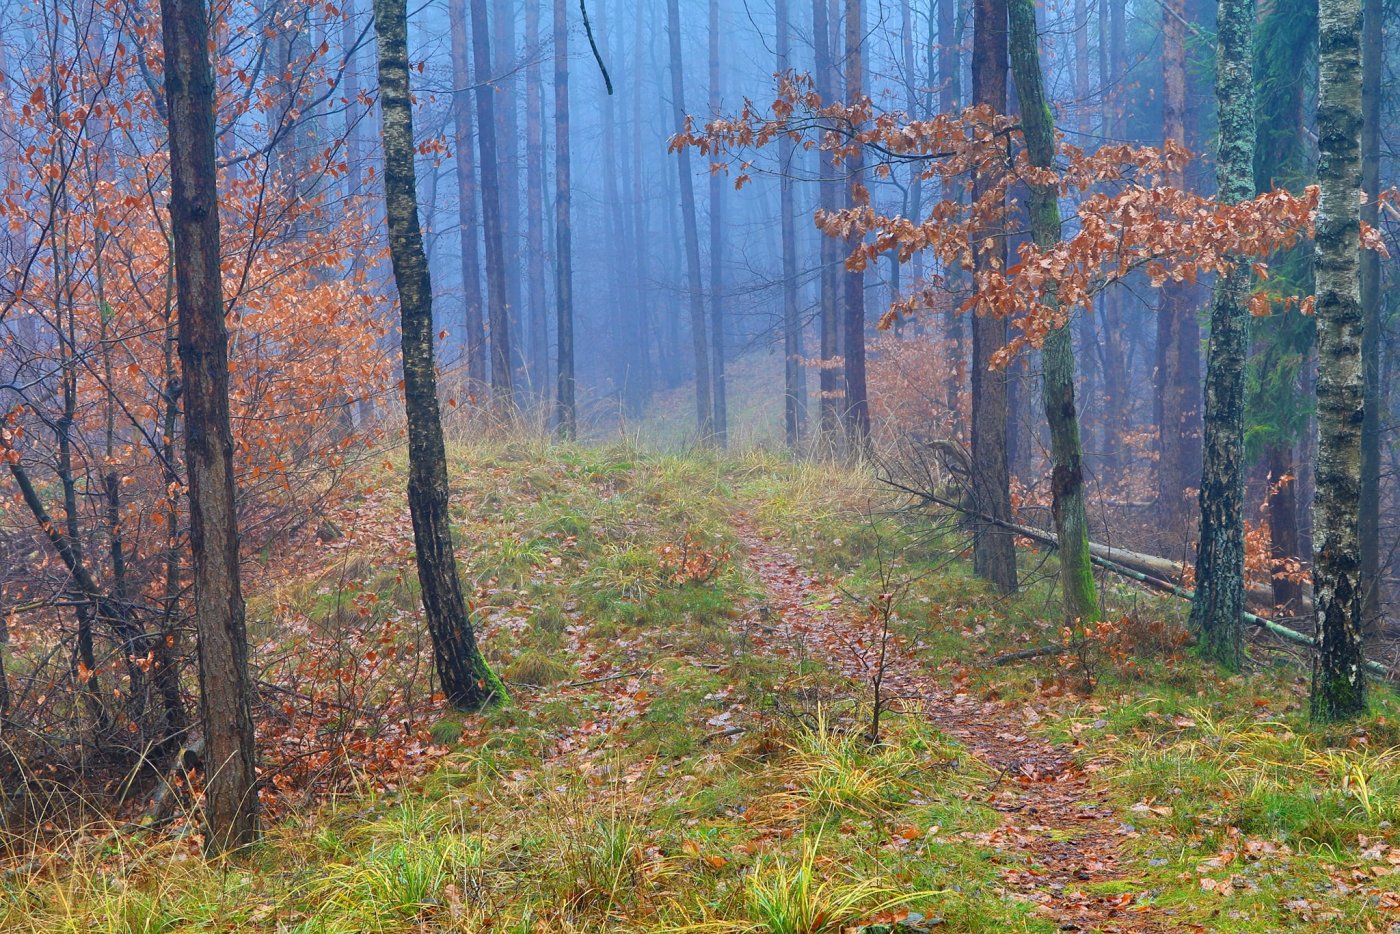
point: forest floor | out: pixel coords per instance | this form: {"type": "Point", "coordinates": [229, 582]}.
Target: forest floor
{"type": "Point", "coordinates": [696, 646]}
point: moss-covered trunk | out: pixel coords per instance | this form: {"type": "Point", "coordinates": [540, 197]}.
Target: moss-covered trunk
{"type": "Point", "coordinates": [466, 679]}
{"type": "Point", "coordinates": [1067, 485]}
{"type": "Point", "coordinates": [1339, 681]}
{"type": "Point", "coordinates": [1216, 611]}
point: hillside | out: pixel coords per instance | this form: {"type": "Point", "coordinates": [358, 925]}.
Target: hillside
{"type": "Point", "coordinates": [692, 644]}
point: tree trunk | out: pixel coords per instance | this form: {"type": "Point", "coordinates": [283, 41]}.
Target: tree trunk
{"type": "Point", "coordinates": [642, 380]}
{"type": "Point", "coordinates": [505, 57]}
{"type": "Point", "coordinates": [474, 329]}
{"type": "Point", "coordinates": [700, 344]}
{"type": "Point", "coordinates": [950, 100]}
{"type": "Point", "coordinates": [1178, 334]}
{"type": "Point", "coordinates": [1339, 679]}
{"type": "Point", "coordinates": [828, 383]}
{"type": "Point", "coordinates": [565, 412]}
{"type": "Point", "coordinates": [231, 798]}
{"type": "Point", "coordinates": [466, 679]}
{"type": "Point", "coordinates": [502, 382]}
{"type": "Point", "coordinates": [857, 410]}
{"type": "Point", "coordinates": [1216, 611]}
{"type": "Point", "coordinates": [534, 207]}
{"type": "Point", "coordinates": [1372, 65]}
{"type": "Point", "coordinates": [1081, 602]}
{"type": "Point", "coordinates": [994, 550]}
{"type": "Point", "coordinates": [794, 374]}
{"type": "Point", "coordinates": [721, 414]}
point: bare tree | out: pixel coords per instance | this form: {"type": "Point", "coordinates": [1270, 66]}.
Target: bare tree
{"type": "Point", "coordinates": [467, 680]}
{"type": "Point", "coordinates": [231, 800]}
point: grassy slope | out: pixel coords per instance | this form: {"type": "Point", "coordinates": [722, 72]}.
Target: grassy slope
{"type": "Point", "coordinates": [609, 797]}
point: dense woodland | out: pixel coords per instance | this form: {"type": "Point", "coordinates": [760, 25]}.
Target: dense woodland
{"type": "Point", "coordinates": [798, 466]}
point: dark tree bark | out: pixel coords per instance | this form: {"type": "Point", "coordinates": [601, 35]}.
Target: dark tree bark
{"type": "Point", "coordinates": [695, 281]}
{"type": "Point", "coordinates": [502, 381]}
{"type": "Point", "coordinates": [721, 415]}
{"type": "Point", "coordinates": [1339, 677]}
{"type": "Point", "coordinates": [1081, 602]}
{"type": "Point", "coordinates": [231, 798]}
{"type": "Point", "coordinates": [1372, 65]}
{"type": "Point", "coordinates": [474, 328]}
{"type": "Point", "coordinates": [565, 409]}
{"type": "Point", "coordinates": [1178, 333]}
{"type": "Point", "coordinates": [993, 550]}
{"type": "Point", "coordinates": [857, 409]}
{"type": "Point", "coordinates": [534, 206]}
{"type": "Point", "coordinates": [1218, 607]}
{"type": "Point", "coordinates": [794, 374]}
{"type": "Point", "coordinates": [466, 679]}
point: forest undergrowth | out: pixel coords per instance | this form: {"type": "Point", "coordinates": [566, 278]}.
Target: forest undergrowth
{"type": "Point", "coordinates": [747, 695]}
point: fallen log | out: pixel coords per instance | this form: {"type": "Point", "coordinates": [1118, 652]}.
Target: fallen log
{"type": "Point", "coordinates": [1374, 668]}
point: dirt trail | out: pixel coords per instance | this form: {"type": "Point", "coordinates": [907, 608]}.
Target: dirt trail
{"type": "Point", "coordinates": [1061, 838]}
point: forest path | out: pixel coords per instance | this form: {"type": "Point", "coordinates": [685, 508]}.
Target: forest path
{"type": "Point", "coordinates": [1062, 841]}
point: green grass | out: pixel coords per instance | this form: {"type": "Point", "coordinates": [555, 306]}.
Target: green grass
{"type": "Point", "coordinates": [611, 794]}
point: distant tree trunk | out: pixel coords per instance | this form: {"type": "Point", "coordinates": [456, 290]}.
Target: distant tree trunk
{"type": "Point", "coordinates": [829, 384]}
{"type": "Point", "coordinates": [794, 374]}
{"type": "Point", "coordinates": [1081, 602]}
{"type": "Point", "coordinates": [704, 412]}
{"type": "Point", "coordinates": [1339, 679]}
{"type": "Point", "coordinates": [1178, 334]}
{"type": "Point", "coordinates": [534, 206]}
{"type": "Point", "coordinates": [1372, 64]}
{"type": "Point", "coordinates": [502, 382]}
{"type": "Point", "coordinates": [641, 226]}
{"type": "Point", "coordinates": [721, 415]}
{"type": "Point", "coordinates": [473, 326]}
{"type": "Point", "coordinates": [563, 228]}
{"type": "Point", "coordinates": [1117, 391]}
{"type": "Point", "coordinates": [1218, 607]}
{"type": "Point", "coordinates": [993, 549]}
{"type": "Point", "coordinates": [857, 408]}
{"type": "Point", "coordinates": [950, 101]}
{"type": "Point", "coordinates": [466, 679]}
{"type": "Point", "coordinates": [504, 56]}
{"type": "Point", "coordinates": [230, 798]}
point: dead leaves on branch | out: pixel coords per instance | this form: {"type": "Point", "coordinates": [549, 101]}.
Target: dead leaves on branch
{"type": "Point", "coordinates": [1126, 216]}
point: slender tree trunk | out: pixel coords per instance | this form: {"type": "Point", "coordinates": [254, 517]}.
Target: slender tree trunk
{"type": "Point", "coordinates": [1339, 679]}
{"type": "Point", "coordinates": [794, 374]}
{"type": "Point", "coordinates": [534, 206]}
{"type": "Point", "coordinates": [829, 251]}
{"type": "Point", "coordinates": [502, 382]}
{"type": "Point", "coordinates": [474, 328]}
{"type": "Point", "coordinates": [949, 101]}
{"type": "Point", "coordinates": [721, 415]}
{"type": "Point", "coordinates": [1081, 603]}
{"type": "Point", "coordinates": [505, 56]}
{"type": "Point", "coordinates": [1218, 607]}
{"type": "Point", "coordinates": [1372, 64]}
{"type": "Point", "coordinates": [703, 410]}
{"type": "Point", "coordinates": [1117, 391]}
{"type": "Point", "coordinates": [1178, 335]}
{"type": "Point", "coordinates": [993, 550]}
{"type": "Point", "coordinates": [231, 799]}
{"type": "Point", "coordinates": [857, 410]}
{"type": "Point", "coordinates": [565, 410]}
{"type": "Point", "coordinates": [641, 229]}
{"type": "Point", "coordinates": [466, 679]}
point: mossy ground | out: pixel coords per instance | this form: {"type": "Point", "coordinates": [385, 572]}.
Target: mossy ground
{"type": "Point", "coordinates": [664, 766]}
